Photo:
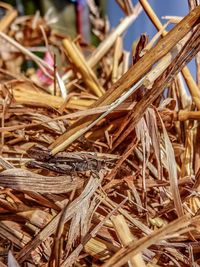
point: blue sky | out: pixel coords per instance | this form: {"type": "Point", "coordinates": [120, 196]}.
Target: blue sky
{"type": "Point", "coordinates": [143, 24]}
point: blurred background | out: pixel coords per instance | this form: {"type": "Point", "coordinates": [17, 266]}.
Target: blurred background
{"type": "Point", "coordinates": [73, 16]}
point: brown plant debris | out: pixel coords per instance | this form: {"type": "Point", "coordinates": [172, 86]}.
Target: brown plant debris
{"type": "Point", "coordinates": [100, 151]}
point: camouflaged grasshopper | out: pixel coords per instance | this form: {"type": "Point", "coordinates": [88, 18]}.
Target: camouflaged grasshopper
{"type": "Point", "coordinates": [65, 162]}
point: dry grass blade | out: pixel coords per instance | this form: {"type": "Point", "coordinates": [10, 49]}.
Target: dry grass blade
{"type": "Point", "coordinates": [19, 179]}
{"type": "Point", "coordinates": [52, 226]}
{"type": "Point", "coordinates": [115, 104]}
{"type": "Point", "coordinates": [109, 41]}
{"type": "Point", "coordinates": [87, 241]}
{"type": "Point", "coordinates": [172, 170]}
{"type": "Point", "coordinates": [126, 237]}
{"type": "Point", "coordinates": [134, 73]}
{"type": "Point", "coordinates": [178, 62]}
{"type": "Point", "coordinates": [133, 248]}
{"type": "Point", "coordinates": [80, 63]}
{"type": "Point", "coordinates": [9, 17]}
{"type": "Point", "coordinates": [194, 90]}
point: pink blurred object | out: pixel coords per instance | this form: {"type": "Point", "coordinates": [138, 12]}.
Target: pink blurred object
{"type": "Point", "coordinates": [44, 79]}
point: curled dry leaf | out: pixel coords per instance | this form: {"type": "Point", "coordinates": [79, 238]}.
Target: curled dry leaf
{"type": "Point", "coordinates": [20, 179]}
